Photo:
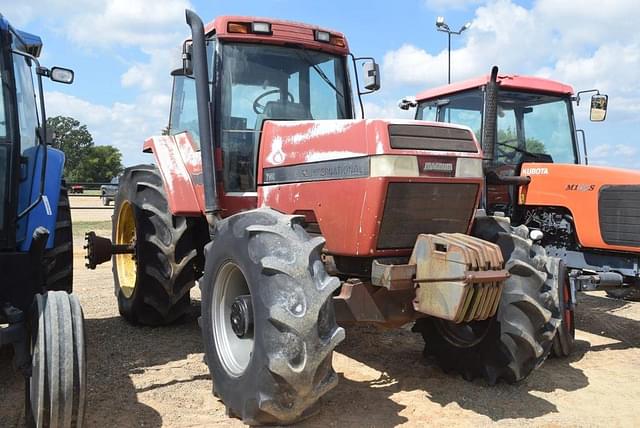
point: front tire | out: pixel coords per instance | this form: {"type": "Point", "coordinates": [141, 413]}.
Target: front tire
{"type": "Point", "coordinates": [518, 339]}
{"type": "Point", "coordinates": [56, 389]}
{"type": "Point", "coordinates": [267, 317]}
{"type": "Point", "coordinates": [152, 286]}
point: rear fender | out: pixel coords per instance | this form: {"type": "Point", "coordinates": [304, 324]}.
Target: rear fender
{"type": "Point", "coordinates": [179, 162]}
{"type": "Point", "coordinates": [46, 212]}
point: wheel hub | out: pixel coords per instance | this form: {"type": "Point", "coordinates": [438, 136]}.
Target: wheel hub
{"type": "Point", "coordinates": [242, 316]}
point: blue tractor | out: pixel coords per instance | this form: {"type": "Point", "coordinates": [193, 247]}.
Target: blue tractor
{"type": "Point", "coordinates": [39, 316]}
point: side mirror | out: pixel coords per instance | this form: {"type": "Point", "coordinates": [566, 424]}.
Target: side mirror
{"type": "Point", "coordinates": [598, 107]}
{"type": "Point", "coordinates": [407, 102]}
{"type": "Point", "coordinates": [371, 76]}
{"type": "Point", "coordinates": [61, 75]}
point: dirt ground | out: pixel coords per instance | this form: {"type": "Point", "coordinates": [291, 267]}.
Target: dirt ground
{"type": "Point", "coordinates": [153, 377]}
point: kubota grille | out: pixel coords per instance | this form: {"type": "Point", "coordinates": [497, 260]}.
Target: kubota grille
{"type": "Point", "coordinates": [414, 208]}
{"type": "Point", "coordinates": [619, 215]}
{"type": "Point", "coordinates": [425, 137]}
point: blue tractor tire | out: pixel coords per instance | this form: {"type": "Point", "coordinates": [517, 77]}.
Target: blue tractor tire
{"type": "Point", "coordinates": [59, 259]}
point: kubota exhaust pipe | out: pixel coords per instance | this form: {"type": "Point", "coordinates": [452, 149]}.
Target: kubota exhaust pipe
{"type": "Point", "coordinates": [490, 128]}
{"type": "Point", "coordinates": [205, 113]}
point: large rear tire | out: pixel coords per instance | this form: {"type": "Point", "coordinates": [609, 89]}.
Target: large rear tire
{"type": "Point", "coordinates": [59, 259]}
{"type": "Point", "coordinates": [268, 323]}
{"type": "Point", "coordinates": [56, 390]}
{"type": "Point", "coordinates": [518, 339]}
{"type": "Point", "coordinates": [152, 286]}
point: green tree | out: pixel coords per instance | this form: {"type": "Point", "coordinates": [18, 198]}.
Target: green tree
{"type": "Point", "coordinates": [84, 160]}
{"type": "Point", "coordinates": [100, 164]}
{"type": "Point", "coordinates": [74, 139]}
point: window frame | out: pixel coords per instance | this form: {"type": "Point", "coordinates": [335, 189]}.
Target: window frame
{"type": "Point", "coordinates": [217, 100]}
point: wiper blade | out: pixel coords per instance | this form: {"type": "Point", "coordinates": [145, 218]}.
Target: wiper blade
{"type": "Point", "coordinates": [518, 149]}
{"type": "Point", "coordinates": [318, 70]}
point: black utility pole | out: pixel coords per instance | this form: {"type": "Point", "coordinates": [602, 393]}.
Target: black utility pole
{"type": "Point", "coordinates": [442, 26]}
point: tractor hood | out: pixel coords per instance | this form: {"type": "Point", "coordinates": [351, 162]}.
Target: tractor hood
{"type": "Point", "coordinates": [305, 142]}
{"type": "Point", "coordinates": [603, 201]}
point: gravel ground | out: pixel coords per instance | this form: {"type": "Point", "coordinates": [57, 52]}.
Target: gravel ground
{"type": "Point", "coordinates": [140, 376]}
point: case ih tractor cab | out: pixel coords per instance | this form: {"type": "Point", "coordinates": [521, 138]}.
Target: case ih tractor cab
{"type": "Point", "coordinates": [293, 215]}
{"type": "Point", "coordinates": [588, 215]}
{"type": "Point", "coordinates": [37, 315]}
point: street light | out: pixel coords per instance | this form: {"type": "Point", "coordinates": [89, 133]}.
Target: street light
{"type": "Point", "coordinates": [442, 26]}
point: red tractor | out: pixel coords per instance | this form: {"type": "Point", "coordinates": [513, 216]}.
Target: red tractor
{"type": "Point", "coordinates": [292, 215]}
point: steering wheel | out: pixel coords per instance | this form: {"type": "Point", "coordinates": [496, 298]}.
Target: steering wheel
{"type": "Point", "coordinates": [259, 108]}
{"type": "Point", "coordinates": [510, 153]}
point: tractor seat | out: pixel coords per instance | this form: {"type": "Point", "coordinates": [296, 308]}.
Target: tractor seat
{"type": "Point", "coordinates": [277, 110]}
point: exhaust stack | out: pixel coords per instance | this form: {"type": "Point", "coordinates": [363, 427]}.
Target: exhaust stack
{"type": "Point", "coordinates": [490, 128]}
{"type": "Point", "coordinates": [205, 113]}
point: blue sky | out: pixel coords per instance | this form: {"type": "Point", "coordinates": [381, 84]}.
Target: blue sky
{"type": "Point", "coordinates": [123, 50]}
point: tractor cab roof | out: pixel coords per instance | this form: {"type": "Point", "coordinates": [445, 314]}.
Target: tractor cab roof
{"type": "Point", "coordinates": [506, 81]}
{"type": "Point", "coordinates": [275, 31]}
{"type": "Point", "coordinates": [28, 43]}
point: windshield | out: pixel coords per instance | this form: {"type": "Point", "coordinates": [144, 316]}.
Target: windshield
{"type": "Point", "coordinates": [533, 124]}
{"type": "Point", "coordinates": [261, 82]}
{"type": "Point", "coordinates": [530, 125]}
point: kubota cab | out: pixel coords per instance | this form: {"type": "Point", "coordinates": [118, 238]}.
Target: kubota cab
{"type": "Point", "coordinates": [538, 176]}
{"type": "Point", "coordinates": [291, 214]}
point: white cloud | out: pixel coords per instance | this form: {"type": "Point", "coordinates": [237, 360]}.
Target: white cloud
{"type": "Point", "coordinates": [123, 125]}
{"type": "Point", "coordinates": [385, 110]}
{"type": "Point", "coordinates": [129, 23]}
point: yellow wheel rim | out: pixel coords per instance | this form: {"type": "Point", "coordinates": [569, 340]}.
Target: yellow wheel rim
{"type": "Point", "coordinates": [126, 266]}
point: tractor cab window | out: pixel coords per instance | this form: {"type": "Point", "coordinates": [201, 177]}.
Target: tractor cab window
{"type": "Point", "coordinates": [26, 98]}
{"type": "Point", "coordinates": [184, 108]}
{"type": "Point", "coordinates": [427, 111]}
{"type": "Point", "coordinates": [184, 112]}
{"type": "Point", "coordinates": [261, 83]}
{"type": "Point", "coordinates": [534, 127]}
{"type": "Point", "coordinates": [463, 109]}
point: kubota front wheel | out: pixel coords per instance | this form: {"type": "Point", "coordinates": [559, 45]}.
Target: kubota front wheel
{"type": "Point", "coordinates": [267, 318]}
{"type": "Point", "coordinates": [519, 337]}
{"type": "Point", "coordinates": [152, 285]}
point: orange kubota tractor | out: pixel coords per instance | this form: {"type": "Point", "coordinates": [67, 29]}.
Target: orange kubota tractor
{"type": "Point", "coordinates": [536, 174]}
{"type": "Point", "coordinates": [291, 214]}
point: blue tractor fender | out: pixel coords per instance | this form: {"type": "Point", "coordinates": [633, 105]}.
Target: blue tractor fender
{"type": "Point", "coordinates": [46, 212]}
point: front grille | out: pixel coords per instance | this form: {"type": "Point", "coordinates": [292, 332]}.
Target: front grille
{"type": "Point", "coordinates": [619, 215]}
{"type": "Point", "coordinates": [414, 208]}
{"type": "Point", "coordinates": [425, 137]}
